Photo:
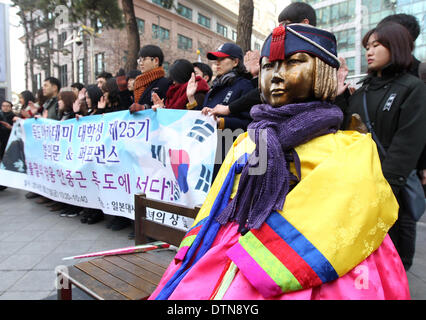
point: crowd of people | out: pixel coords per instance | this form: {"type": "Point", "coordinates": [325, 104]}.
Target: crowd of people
{"type": "Point", "coordinates": [393, 94]}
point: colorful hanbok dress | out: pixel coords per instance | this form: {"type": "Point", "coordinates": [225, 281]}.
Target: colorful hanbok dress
{"type": "Point", "coordinates": [328, 242]}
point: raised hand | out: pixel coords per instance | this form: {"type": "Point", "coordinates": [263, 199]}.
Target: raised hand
{"type": "Point", "coordinates": [157, 106]}
{"type": "Point", "coordinates": [76, 106]}
{"type": "Point", "coordinates": [342, 73]}
{"type": "Point", "coordinates": [251, 62]}
{"type": "Point", "coordinates": [157, 101]}
{"type": "Point", "coordinates": [33, 107]}
{"type": "Point", "coordinates": [102, 103]}
{"type": "Point", "coordinates": [191, 88]}
{"type": "Point", "coordinates": [82, 94]}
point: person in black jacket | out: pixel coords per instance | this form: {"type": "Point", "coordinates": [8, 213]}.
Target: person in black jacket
{"type": "Point", "coordinates": [397, 111]}
{"type": "Point", "coordinates": [232, 82]}
{"type": "Point", "coordinates": [6, 123]}
{"type": "Point", "coordinates": [411, 23]}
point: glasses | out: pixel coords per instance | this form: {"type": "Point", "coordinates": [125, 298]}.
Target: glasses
{"type": "Point", "coordinates": [143, 59]}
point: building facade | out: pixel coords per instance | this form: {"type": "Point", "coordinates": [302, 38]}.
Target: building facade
{"type": "Point", "coordinates": [187, 27]}
{"type": "Point", "coordinates": [5, 81]}
{"type": "Point", "coordinates": [265, 15]}
{"type": "Point", "coordinates": [350, 20]}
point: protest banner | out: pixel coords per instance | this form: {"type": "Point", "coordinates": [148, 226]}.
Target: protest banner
{"type": "Point", "coordinates": [101, 161]}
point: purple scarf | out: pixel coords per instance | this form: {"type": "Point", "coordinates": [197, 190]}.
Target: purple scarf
{"type": "Point", "coordinates": [286, 128]}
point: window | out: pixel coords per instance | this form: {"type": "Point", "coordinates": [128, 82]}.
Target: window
{"type": "Point", "coordinates": [221, 29]}
{"type": "Point", "coordinates": [80, 70]}
{"type": "Point", "coordinates": [343, 9]}
{"type": "Point", "coordinates": [184, 11]}
{"type": "Point", "coordinates": [99, 63]}
{"type": "Point", "coordinates": [164, 3]}
{"type": "Point", "coordinates": [141, 25]}
{"type": "Point", "coordinates": [234, 35]}
{"type": "Point", "coordinates": [324, 15]}
{"type": "Point", "coordinates": [203, 20]}
{"type": "Point", "coordinates": [37, 52]}
{"type": "Point", "coordinates": [257, 46]}
{"type": "Point", "coordinates": [335, 13]}
{"type": "Point", "coordinates": [63, 75]}
{"type": "Point", "coordinates": [37, 78]}
{"type": "Point", "coordinates": [97, 25]}
{"type": "Point", "coordinates": [184, 43]}
{"type": "Point", "coordinates": [160, 33]}
{"type": "Point", "coordinates": [351, 65]}
{"type": "Point", "coordinates": [61, 39]}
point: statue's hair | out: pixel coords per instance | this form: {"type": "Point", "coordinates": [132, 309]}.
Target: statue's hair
{"type": "Point", "coordinates": [325, 81]}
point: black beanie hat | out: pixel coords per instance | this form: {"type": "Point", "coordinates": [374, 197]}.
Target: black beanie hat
{"type": "Point", "coordinates": [181, 70]}
{"type": "Point", "coordinates": [133, 74]}
{"type": "Point", "coordinates": [153, 51]}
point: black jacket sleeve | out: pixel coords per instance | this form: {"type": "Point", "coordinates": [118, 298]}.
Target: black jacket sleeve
{"type": "Point", "coordinates": [409, 140]}
{"type": "Point", "coordinates": [245, 102]}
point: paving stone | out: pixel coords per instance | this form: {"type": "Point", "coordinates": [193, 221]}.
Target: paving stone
{"type": "Point", "coordinates": [23, 295]}
{"type": "Point", "coordinates": [35, 281]}
{"type": "Point", "coordinates": [20, 262]}
{"type": "Point", "coordinates": [8, 278]}
{"type": "Point", "coordinates": [22, 236]}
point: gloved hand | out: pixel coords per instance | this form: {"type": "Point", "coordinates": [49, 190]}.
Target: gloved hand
{"type": "Point", "coordinates": [136, 107]}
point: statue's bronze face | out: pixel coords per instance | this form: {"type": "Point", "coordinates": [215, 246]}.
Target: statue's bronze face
{"type": "Point", "coordinates": [287, 81]}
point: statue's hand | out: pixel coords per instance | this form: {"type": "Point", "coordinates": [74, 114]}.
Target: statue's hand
{"type": "Point", "coordinates": [356, 124]}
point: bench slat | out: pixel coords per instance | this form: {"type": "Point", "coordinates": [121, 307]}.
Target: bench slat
{"type": "Point", "coordinates": [161, 258]}
{"type": "Point", "coordinates": [111, 281]}
{"type": "Point", "coordinates": [91, 286]}
{"type": "Point", "coordinates": [135, 269]}
{"type": "Point", "coordinates": [145, 264]}
{"type": "Point", "coordinates": [123, 273]}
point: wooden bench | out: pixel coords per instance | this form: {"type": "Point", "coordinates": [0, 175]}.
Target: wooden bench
{"type": "Point", "coordinates": [129, 276]}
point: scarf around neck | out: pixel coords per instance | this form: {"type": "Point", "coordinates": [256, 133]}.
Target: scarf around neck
{"type": "Point", "coordinates": [226, 79]}
{"type": "Point", "coordinates": [286, 128]}
{"type": "Point", "coordinates": [145, 79]}
{"type": "Point", "coordinates": [176, 97]}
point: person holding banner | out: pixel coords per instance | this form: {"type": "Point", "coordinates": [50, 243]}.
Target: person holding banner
{"type": "Point", "coordinates": [6, 123]}
{"type": "Point", "coordinates": [299, 209]}
{"type": "Point", "coordinates": [232, 82]}
{"type": "Point", "coordinates": [93, 95]}
{"type": "Point", "coordinates": [152, 80]}
{"type": "Point", "coordinates": [110, 101]}
{"type": "Point", "coordinates": [51, 88]}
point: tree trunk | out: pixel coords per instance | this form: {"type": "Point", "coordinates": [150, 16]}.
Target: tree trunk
{"type": "Point", "coordinates": [245, 24]}
{"type": "Point", "coordinates": [133, 39]}
{"type": "Point", "coordinates": [29, 41]}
